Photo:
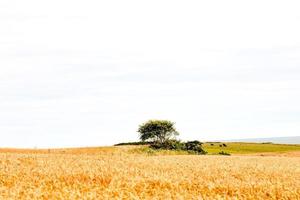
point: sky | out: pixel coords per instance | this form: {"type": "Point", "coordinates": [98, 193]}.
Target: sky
{"type": "Point", "coordinates": [87, 73]}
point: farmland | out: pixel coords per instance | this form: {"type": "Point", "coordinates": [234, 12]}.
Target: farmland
{"type": "Point", "coordinates": [118, 173]}
{"type": "Point", "coordinates": [233, 148]}
{"type": "Point", "coordinates": [249, 148]}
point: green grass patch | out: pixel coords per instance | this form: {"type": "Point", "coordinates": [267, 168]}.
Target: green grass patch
{"type": "Point", "coordinates": [217, 148]}
{"type": "Point", "coordinates": [247, 148]}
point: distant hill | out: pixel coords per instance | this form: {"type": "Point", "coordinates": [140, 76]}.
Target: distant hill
{"type": "Point", "coordinates": [278, 140]}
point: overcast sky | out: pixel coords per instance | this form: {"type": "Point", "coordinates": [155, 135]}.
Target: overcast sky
{"type": "Point", "coordinates": [87, 73]}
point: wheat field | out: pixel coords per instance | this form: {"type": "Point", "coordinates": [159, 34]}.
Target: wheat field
{"type": "Point", "coordinates": [113, 173]}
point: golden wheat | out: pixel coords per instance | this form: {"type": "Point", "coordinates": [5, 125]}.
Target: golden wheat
{"type": "Point", "coordinates": [111, 173]}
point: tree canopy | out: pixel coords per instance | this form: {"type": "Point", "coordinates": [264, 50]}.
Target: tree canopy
{"type": "Point", "coordinates": [158, 131]}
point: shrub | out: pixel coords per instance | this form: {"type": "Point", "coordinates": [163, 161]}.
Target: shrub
{"type": "Point", "coordinates": [224, 153]}
{"type": "Point", "coordinates": [224, 145]}
{"type": "Point", "coordinates": [169, 145]}
{"type": "Point", "coordinates": [194, 146]}
{"type": "Point", "coordinates": [134, 143]}
{"type": "Point", "coordinates": [191, 146]}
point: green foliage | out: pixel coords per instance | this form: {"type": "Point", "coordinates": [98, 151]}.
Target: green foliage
{"type": "Point", "coordinates": [191, 146]}
{"type": "Point", "coordinates": [158, 131]}
{"type": "Point", "coordinates": [133, 143]}
{"type": "Point", "coordinates": [169, 144]}
{"type": "Point", "coordinates": [195, 146]}
{"type": "Point", "coordinates": [224, 153]}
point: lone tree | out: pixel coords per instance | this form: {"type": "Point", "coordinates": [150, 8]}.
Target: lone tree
{"type": "Point", "coordinates": [157, 131]}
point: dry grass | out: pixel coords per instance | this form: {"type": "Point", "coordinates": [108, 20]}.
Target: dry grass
{"type": "Point", "coordinates": [112, 173]}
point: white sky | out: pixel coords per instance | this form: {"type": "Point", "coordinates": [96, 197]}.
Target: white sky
{"type": "Point", "coordinates": [87, 73]}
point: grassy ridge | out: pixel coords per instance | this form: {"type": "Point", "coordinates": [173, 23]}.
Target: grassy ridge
{"type": "Point", "coordinates": [213, 148]}
{"type": "Point", "coordinates": [248, 148]}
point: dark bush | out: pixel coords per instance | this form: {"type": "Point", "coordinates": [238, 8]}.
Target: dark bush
{"type": "Point", "coordinates": [224, 153]}
{"type": "Point", "coordinates": [169, 145]}
{"type": "Point", "coordinates": [195, 142]}
{"type": "Point", "coordinates": [211, 144]}
{"type": "Point", "coordinates": [134, 143]}
{"type": "Point", "coordinates": [191, 146]}
{"type": "Point", "coordinates": [220, 145]}
{"type": "Point", "coordinates": [224, 145]}
{"type": "Point", "coordinates": [194, 146]}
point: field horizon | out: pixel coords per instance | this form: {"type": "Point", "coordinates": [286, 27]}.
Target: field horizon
{"type": "Point", "coordinates": [212, 147]}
